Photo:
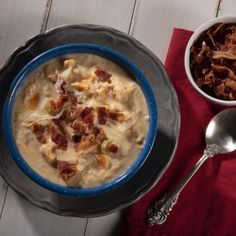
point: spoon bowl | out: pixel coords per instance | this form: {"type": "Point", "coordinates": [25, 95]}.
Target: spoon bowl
{"type": "Point", "coordinates": [221, 131]}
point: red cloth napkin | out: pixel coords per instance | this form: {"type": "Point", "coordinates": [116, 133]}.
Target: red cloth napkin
{"type": "Point", "coordinates": [207, 205]}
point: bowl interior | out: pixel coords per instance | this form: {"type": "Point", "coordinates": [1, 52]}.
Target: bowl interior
{"type": "Point", "coordinates": [109, 54]}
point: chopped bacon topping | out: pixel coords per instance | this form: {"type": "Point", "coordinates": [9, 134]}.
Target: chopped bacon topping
{"type": "Point", "coordinates": [103, 75]}
{"type": "Point", "coordinates": [56, 106]}
{"type": "Point", "coordinates": [80, 126]}
{"type": "Point", "coordinates": [66, 170]}
{"type": "Point", "coordinates": [73, 99]}
{"type": "Point", "coordinates": [76, 138]}
{"type": "Point", "coordinates": [59, 139]}
{"type": "Point", "coordinates": [213, 61]}
{"type": "Point", "coordinates": [112, 148]}
{"type": "Point", "coordinates": [101, 136]}
{"type": "Point", "coordinates": [71, 121]}
{"type": "Point", "coordinates": [87, 116]}
{"type": "Point", "coordinates": [115, 115]}
{"type": "Point", "coordinates": [59, 123]}
{"type": "Point", "coordinates": [38, 130]}
{"type": "Point", "coordinates": [87, 141]}
{"type": "Point", "coordinates": [86, 111]}
{"type": "Point", "coordinates": [102, 113]}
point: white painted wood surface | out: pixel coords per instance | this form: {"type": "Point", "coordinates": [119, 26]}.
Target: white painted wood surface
{"type": "Point", "coordinates": [3, 192]}
{"type": "Point", "coordinates": [17, 24]}
{"type": "Point", "coordinates": [23, 219]}
{"type": "Point", "coordinates": [227, 7]}
{"type": "Point", "coordinates": [154, 20]}
{"type": "Point", "coordinates": [150, 21]}
{"type": "Point", "coordinates": [116, 14]}
{"type": "Point", "coordinates": [19, 20]}
{"type": "Point", "coordinates": [106, 225]}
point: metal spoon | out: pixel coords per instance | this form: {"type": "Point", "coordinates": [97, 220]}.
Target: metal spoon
{"type": "Point", "coordinates": [220, 138]}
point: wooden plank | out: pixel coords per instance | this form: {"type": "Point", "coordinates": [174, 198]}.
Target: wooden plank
{"type": "Point", "coordinates": [3, 189]}
{"type": "Point", "coordinates": [111, 13]}
{"type": "Point", "coordinates": [106, 225]}
{"type": "Point", "coordinates": [22, 218]}
{"type": "Point", "coordinates": [18, 22]}
{"type": "Point", "coordinates": [227, 7]}
{"type": "Point", "coordinates": [154, 20]}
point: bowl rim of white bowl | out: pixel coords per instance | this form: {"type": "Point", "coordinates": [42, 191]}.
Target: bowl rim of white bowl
{"type": "Point", "coordinates": [109, 54]}
{"type": "Point", "coordinates": [193, 38]}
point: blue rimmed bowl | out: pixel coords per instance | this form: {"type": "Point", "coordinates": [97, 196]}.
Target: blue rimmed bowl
{"type": "Point", "coordinates": [59, 51]}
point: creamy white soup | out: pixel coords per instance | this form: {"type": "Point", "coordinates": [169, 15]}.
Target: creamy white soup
{"type": "Point", "coordinates": [80, 120]}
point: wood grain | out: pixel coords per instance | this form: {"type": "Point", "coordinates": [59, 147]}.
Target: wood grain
{"type": "Point", "coordinates": [154, 20]}
{"type": "Point", "coordinates": [18, 22]}
{"type": "Point", "coordinates": [113, 13]}
{"type": "Point", "coordinates": [106, 225]}
{"type": "Point", "coordinates": [3, 192]}
{"type": "Point", "coordinates": [227, 7]}
{"type": "Point", "coordinates": [19, 217]}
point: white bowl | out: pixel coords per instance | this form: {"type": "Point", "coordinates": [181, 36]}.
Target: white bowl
{"type": "Point", "coordinates": [194, 37]}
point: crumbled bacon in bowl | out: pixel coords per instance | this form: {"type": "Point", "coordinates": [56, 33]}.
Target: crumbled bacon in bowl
{"type": "Point", "coordinates": [210, 60]}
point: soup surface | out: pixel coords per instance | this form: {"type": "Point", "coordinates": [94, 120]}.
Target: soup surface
{"type": "Point", "coordinates": [80, 120]}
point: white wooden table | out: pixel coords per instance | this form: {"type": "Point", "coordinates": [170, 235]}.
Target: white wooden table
{"type": "Point", "coordinates": [149, 21]}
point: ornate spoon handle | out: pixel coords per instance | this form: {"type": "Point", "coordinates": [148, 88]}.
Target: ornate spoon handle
{"type": "Point", "coordinates": [158, 212]}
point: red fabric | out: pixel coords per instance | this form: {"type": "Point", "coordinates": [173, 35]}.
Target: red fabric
{"type": "Point", "coordinates": [207, 205]}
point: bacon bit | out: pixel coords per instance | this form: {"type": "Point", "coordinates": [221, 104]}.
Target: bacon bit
{"type": "Point", "coordinates": [212, 61]}
{"type": "Point", "coordinates": [73, 99]}
{"type": "Point", "coordinates": [87, 116]}
{"type": "Point", "coordinates": [103, 75]}
{"type": "Point", "coordinates": [61, 101]}
{"type": "Point", "coordinates": [102, 160]}
{"type": "Point", "coordinates": [59, 124]}
{"type": "Point", "coordinates": [101, 136]}
{"type": "Point", "coordinates": [87, 141]}
{"type": "Point", "coordinates": [59, 139]}
{"type": "Point", "coordinates": [89, 120]}
{"type": "Point", "coordinates": [76, 138]}
{"type": "Point", "coordinates": [86, 111]}
{"type": "Point", "coordinates": [66, 170]}
{"type": "Point", "coordinates": [115, 115]}
{"type": "Point", "coordinates": [80, 126]}
{"type": "Point", "coordinates": [54, 107]}
{"type": "Point", "coordinates": [112, 148]}
{"type": "Point", "coordinates": [102, 113]}
{"type": "Point", "coordinates": [38, 130]}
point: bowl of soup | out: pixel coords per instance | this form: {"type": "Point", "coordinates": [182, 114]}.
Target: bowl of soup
{"type": "Point", "coordinates": [80, 119]}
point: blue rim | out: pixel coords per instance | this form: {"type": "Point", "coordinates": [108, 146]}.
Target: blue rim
{"type": "Point", "coordinates": [107, 53]}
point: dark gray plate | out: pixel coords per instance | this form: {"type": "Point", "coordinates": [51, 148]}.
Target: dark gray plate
{"type": "Point", "coordinates": [168, 122]}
